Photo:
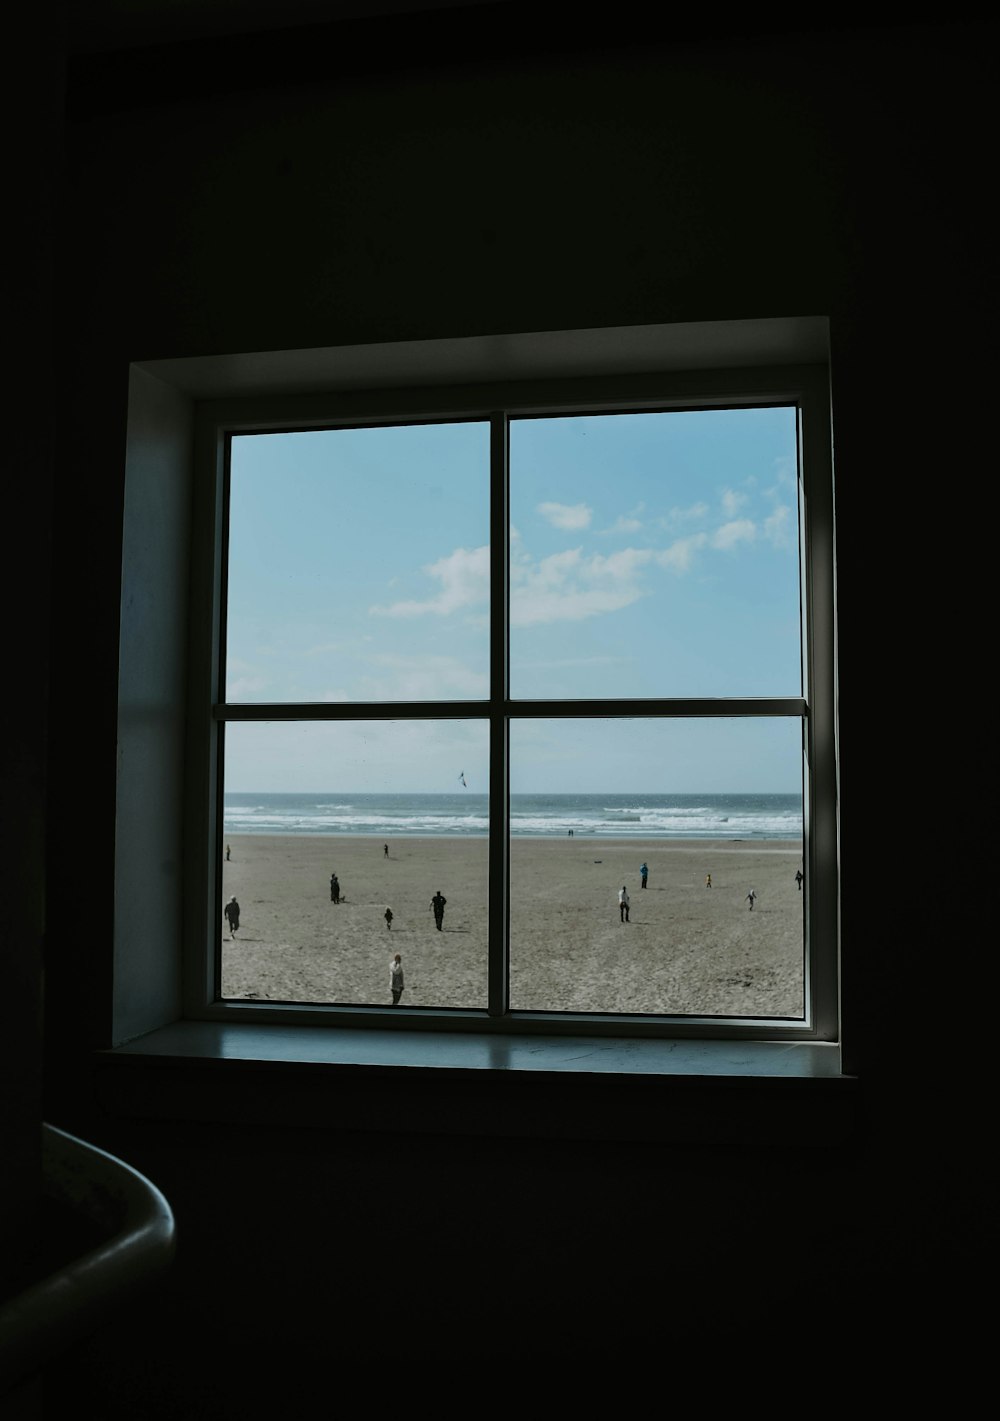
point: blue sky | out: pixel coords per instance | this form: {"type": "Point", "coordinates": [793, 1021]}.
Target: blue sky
{"type": "Point", "coordinates": [651, 555]}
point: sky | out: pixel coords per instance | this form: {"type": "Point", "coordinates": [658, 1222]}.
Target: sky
{"type": "Point", "coordinates": [652, 555]}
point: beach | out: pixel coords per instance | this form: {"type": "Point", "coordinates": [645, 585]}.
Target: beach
{"type": "Point", "coordinates": [687, 949]}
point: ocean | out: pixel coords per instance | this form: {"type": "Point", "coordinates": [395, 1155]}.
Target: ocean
{"type": "Point", "coordinates": [615, 816]}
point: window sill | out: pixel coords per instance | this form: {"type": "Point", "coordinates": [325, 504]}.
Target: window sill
{"type": "Point", "coordinates": [723, 1092]}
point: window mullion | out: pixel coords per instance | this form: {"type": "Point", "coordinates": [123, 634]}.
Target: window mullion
{"type": "Point", "coordinates": [499, 947]}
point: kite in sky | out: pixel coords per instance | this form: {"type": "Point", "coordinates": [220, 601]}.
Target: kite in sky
{"type": "Point", "coordinates": [461, 776]}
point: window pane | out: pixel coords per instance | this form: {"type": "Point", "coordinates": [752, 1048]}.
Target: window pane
{"type": "Point", "coordinates": [655, 555]}
{"type": "Point", "coordinates": [359, 565]}
{"type": "Point", "coordinates": [713, 809]}
{"type": "Point", "coordinates": [397, 812]}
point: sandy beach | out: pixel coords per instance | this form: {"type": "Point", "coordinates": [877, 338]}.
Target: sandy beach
{"type": "Point", "coordinates": [687, 949]}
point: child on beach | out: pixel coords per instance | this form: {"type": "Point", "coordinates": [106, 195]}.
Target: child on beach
{"type": "Point", "coordinates": [396, 979]}
{"type": "Point", "coordinates": [751, 898]}
{"type": "Point", "coordinates": [388, 918]}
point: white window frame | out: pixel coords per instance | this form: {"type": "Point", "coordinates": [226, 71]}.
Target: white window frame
{"type": "Point", "coordinates": [181, 414]}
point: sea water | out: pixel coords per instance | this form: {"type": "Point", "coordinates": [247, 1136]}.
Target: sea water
{"type": "Point", "coordinates": [624, 816]}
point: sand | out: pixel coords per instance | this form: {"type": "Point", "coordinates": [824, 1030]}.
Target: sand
{"type": "Point", "coordinates": [687, 949]}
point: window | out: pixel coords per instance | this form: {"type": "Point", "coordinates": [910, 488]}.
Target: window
{"type": "Point", "coordinates": [520, 612]}
{"type": "Point", "coordinates": [506, 648]}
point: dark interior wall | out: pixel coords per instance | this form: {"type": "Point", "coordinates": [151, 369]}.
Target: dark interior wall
{"type": "Point", "coordinates": [32, 105]}
{"type": "Point", "coordinates": [388, 191]}
{"type": "Point", "coordinates": [390, 196]}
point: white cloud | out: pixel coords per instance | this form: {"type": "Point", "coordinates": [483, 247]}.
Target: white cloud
{"type": "Point", "coordinates": [571, 517]}
{"type": "Point", "coordinates": [779, 527]}
{"type": "Point", "coordinates": [679, 557]}
{"type": "Point", "coordinates": [464, 576]}
{"type": "Point", "coordinates": [621, 565]}
{"type": "Point", "coordinates": [572, 605]}
{"type": "Point", "coordinates": [732, 502]}
{"type": "Point", "coordinates": [786, 473]}
{"type": "Point", "coordinates": [629, 522]}
{"type": "Point", "coordinates": [742, 530]}
{"type": "Point", "coordinates": [678, 516]}
{"type": "Point", "coordinates": [567, 587]}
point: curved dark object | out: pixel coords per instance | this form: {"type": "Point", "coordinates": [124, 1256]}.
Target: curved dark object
{"type": "Point", "coordinates": [124, 1229]}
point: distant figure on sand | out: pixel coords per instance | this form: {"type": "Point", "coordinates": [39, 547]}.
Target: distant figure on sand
{"type": "Point", "coordinates": [644, 874]}
{"type": "Point", "coordinates": [751, 898]}
{"type": "Point", "coordinates": [798, 880]}
{"type": "Point", "coordinates": [334, 888]}
{"type": "Point", "coordinates": [437, 903]}
{"type": "Point", "coordinates": [388, 918]}
{"type": "Point", "coordinates": [228, 851]}
{"type": "Point", "coordinates": [396, 979]}
{"type": "Point", "coordinates": [232, 912]}
{"type": "Point", "coordinates": [708, 880]}
{"type": "Point", "coordinates": [623, 903]}
{"type": "Point", "coordinates": [385, 850]}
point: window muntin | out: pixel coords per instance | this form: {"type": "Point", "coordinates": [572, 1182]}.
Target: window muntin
{"type": "Point", "coordinates": [819, 811]}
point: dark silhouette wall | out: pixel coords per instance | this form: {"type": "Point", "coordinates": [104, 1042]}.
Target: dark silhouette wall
{"type": "Point", "coordinates": [456, 176]}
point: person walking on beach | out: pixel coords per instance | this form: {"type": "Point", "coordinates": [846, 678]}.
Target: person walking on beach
{"type": "Point", "coordinates": [623, 903]}
{"type": "Point", "coordinates": [385, 850]}
{"type": "Point", "coordinates": [228, 851]}
{"type": "Point", "coordinates": [437, 903]}
{"type": "Point", "coordinates": [396, 979]}
{"type": "Point", "coordinates": [708, 880]}
{"type": "Point", "coordinates": [232, 912]}
{"type": "Point", "coordinates": [334, 888]}
{"type": "Point", "coordinates": [388, 918]}
{"type": "Point", "coordinates": [798, 880]}
{"type": "Point", "coordinates": [751, 898]}
{"type": "Point", "coordinates": [644, 874]}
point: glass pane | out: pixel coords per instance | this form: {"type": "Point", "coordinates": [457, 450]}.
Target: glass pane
{"type": "Point", "coordinates": [713, 810]}
{"type": "Point", "coordinates": [655, 555]}
{"type": "Point", "coordinates": [359, 565]}
{"type": "Point", "coordinates": [329, 827]}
